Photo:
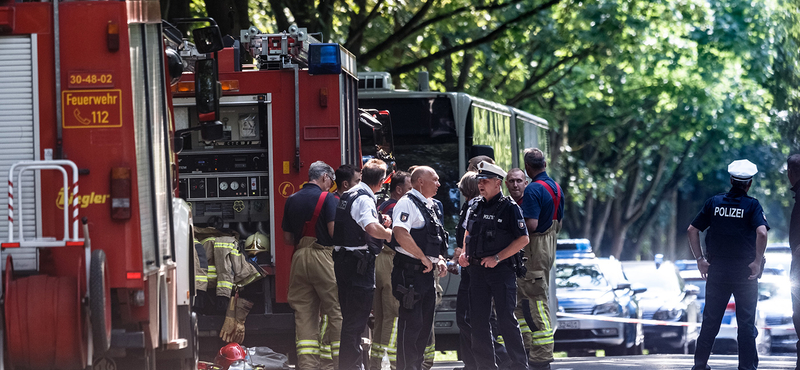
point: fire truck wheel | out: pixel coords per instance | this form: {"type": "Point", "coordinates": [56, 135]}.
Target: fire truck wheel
{"type": "Point", "coordinates": [100, 302]}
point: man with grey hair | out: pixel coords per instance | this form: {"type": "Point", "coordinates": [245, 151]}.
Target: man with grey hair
{"type": "Point", "coordinates": [543, 208]}
{"type": "Point", "coordinates": [421, 243]}
{"type": "Point", "coordinates": [308, 220]}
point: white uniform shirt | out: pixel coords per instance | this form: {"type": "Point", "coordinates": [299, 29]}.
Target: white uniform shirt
{"type": "Point", "coordinates": [408, 216]}
{"type": "Point", "coordinates": [363, 210]}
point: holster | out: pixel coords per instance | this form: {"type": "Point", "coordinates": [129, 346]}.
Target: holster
{"type": "Point", "coordinates": [519, 260]}
{"type": "Point", "coordinates": [410, 297]}
{"type": "Point", "coordinates": [364, 258]}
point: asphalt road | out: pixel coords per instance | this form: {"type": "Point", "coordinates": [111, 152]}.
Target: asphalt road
{"type": "Point", "coordinates": [651, 362]}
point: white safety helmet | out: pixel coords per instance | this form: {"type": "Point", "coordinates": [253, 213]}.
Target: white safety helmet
{"type": "Point", "coordinates": [256, 243]}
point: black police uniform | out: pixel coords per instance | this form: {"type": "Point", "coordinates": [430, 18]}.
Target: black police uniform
{"type": "Point", "coordinates": [414, 289]}
{"type": "Point", "coordinates": [731, 219]}
{"type": "Point", "coordinates": [355, 276]}
{"type": "Point", "coordinates": [462, 306]}
{"type": "Point", "coordinates": [493, 226]}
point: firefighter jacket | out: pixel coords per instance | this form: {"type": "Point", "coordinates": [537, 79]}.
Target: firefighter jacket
{"type": "Point", "coordinates": [222, 265]}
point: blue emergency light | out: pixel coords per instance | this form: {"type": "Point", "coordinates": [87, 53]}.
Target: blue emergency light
{"type": "Point", "coordinates": [324, 59]}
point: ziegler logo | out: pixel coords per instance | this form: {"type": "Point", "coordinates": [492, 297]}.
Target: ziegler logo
{"type": "Point", "coordinates": [84, 200]}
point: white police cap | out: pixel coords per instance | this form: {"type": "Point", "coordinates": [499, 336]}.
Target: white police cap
{"type": "Point", "coordinates": [487, 170]}
{"type": "Point", "coordinates": [742, 169]}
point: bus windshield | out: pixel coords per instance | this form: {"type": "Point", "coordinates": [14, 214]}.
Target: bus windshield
{"type": "Point", "coordinates": [425, 134]}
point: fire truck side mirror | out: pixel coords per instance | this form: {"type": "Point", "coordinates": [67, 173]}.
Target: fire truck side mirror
{"type": "Point", "coordinates": [207, 95]}
{"type": "Point", "coordinates": [207, 39]}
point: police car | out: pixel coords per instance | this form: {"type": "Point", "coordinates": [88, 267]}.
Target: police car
{"type": "Point", "coordinates": [596, 287]}
{"type": "Point", "coordinates": [670, 299]}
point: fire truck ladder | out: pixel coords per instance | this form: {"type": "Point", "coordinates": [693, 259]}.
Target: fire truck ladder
{"type": "Point", "coordinates": [70, 237]}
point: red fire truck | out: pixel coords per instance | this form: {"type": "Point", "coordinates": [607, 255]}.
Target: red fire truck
{"type": "Point", "coordinates": [294, 104]}
{"type": "Point", "coordinates": [97, 254]}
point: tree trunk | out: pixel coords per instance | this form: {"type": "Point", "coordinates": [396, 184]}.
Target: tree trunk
{"type": "Point", "coordinates": [586, 223]}
{"type": "Point", "coordinates": [671, 225]}
{"type": "Point", "coordinates": [600, 226]}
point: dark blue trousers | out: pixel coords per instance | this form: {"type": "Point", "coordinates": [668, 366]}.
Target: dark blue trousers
{"type": "Point", "coordinates": [498, 284]}
{"type": "Point", "coordinates": [355, 298]}
{"type": "Point", "coordinates": [719, 288]}
{"type": "Point", "coordinates": [414, 323]}
{"type": "Point", "coordinates": [465, 330]}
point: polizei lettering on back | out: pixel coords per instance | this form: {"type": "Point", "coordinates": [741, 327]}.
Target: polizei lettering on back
{"type": "Point", "coordinates": [729, 212]}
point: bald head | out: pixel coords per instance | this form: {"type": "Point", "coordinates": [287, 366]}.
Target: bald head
{"type": "Point", "coordinates": [418, 172]}
{"type": "Point", "coordinates": [425, 180]}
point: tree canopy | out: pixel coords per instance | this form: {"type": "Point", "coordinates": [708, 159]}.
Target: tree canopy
{"type": "Point", "coordinates": [647, 100]}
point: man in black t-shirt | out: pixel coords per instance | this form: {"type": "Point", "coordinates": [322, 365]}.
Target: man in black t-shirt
{"type": "Point", "coordinates": [308, 220]}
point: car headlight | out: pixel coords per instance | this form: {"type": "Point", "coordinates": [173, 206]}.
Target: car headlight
{"type": "Point", "coordinates": [668, 314]}
{"type": "Point", "coordinates": [447, 304]}
{"type": "Point", "coordinates": [607, 309]}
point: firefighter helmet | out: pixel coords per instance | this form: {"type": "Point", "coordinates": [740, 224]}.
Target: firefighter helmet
{"type": "Point", "coordinates": [229, 354]}
{"type": "Point", "coordinates": [256, 243]}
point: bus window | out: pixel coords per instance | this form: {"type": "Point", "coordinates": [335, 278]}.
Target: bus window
{"type": "Point", "coordinates": [493, 128]}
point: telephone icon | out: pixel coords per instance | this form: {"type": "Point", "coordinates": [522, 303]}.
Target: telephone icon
{"type": "Point", "coordinates": [77, 114]}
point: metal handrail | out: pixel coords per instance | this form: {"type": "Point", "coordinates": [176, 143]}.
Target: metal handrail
{"type": "Point", "coordinates": [44, 165]}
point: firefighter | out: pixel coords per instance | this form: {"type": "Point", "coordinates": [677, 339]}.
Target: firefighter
{"type": "Point", "coordinates": [421, 243]}
{"type": "Point", "coordinates": [543, 209]}
{"type": "Point", "coordinates": [516, 183]}
{"type": "Point", "coordinates": [384, 306]}
{"type": "Point", "coordinates": [308, 226]}
{"type": "Point", "coordinates": [495, 234]}
{"type": "Point", "coordinates": [354, 260]}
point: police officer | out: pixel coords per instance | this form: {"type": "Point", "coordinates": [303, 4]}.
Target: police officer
{"type": "Point", "coordinates": [385, 306]}
{"type": "Point", "coordinates": [543, 208]}
{"type": "Point", "coordinates": [493, 241]}
{"type": "Point", "coordinates": [308, 221]}
{"type": "Point", "coordinates": [735, 244]}
{"type": "Point", "coordinates": [354, 260]}
{"type": "Point", "coordinates": [347, 176]}
{"type": "Point", "coordinates": [421, 243]}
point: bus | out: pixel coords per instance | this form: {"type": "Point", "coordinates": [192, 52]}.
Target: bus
{"type": "Point", "coordinates": [444, 130]}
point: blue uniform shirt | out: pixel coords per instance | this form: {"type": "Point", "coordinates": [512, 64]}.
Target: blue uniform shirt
{"type": "Point", "coordinates": [300, 207]}
{"type": "Point", "coordinates": [731, 219]}
{"type": "Point", "coordinates": [538, 204]}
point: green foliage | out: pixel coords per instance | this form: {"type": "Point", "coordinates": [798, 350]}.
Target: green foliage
{"type": "Point", "coordinates": [645, 97]}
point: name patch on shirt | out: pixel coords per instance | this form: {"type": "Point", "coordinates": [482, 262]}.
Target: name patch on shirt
{"type": "Point", "coordinates": [729, 212]}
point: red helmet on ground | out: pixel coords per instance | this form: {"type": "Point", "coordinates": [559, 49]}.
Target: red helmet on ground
{"type": "Point", "coordinates": [229, 354]}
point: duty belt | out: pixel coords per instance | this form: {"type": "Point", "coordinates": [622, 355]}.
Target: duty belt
{"type": "Point", "coordinates": [408, 263]}
{"type": "Point", "coordinates": [475, 261]}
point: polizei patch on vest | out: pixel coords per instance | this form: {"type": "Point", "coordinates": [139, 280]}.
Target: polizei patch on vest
{"type": "Point", "coordinates": [403, 217]}
{"type": "Point", "coordinates": [729, 212]}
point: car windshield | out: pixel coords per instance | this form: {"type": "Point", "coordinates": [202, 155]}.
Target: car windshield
{"type": "Point", "coordinates": [580, 276]}
{"type": "Point", "coordinates": [660, 282]}
{"type": "Point", "coordinates": [700, 283]}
